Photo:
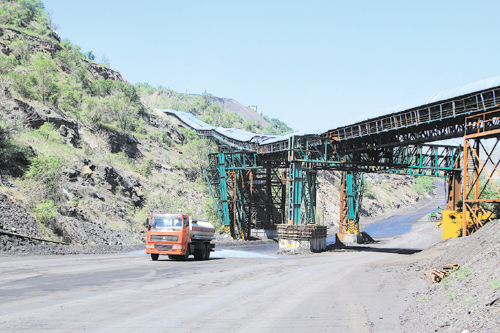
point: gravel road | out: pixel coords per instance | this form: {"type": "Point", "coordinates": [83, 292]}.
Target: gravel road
{"type": "Point", "coordinates": [131, 293]}
{"type": "Point", "coordinates": [255, 292]}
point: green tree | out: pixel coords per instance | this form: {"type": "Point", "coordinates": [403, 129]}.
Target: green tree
{"type": "Point", "coordinates": [13, 158]}
{"type": "Point", "coordinates": [125, 115]}
{"type": "Point", "coordinates": [7, 64]}
{"type": "Point", "coordinates": [47, 172]}
{"type": "Point", "coordinates": [89, 55]}
{"type": "Point", "coordinates": [248, 125]}
{"type": "Point", "coordinates": [45, 70]}
{"type": "Point", "coordinates": [20, 50]}
{"type": "Point", "coordinates": [195, 158]}
{"type": "Point", "coordinates": [21, 13]}
{"type": "Point", "coordinates": [32, 9]}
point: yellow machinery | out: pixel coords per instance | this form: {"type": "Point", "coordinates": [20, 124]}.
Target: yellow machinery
{"type": "Point", "coordinates": [452, 222]}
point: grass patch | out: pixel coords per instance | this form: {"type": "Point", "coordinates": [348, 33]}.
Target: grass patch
{"type": "Point", "coordinates": [424, 185]}
{"type": "Point", "coordinates": [463, 272]}
{"type": "Point", "coordinates": [495, 284]}
{"type": "Point", "coordinates": [446, 282]}
{"type": "Point", "coordinates": [45, 211]}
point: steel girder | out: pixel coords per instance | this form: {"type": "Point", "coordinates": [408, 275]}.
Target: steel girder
{"type": "Point", "coordinates": [324, 153]}
{"type": "Point", "coordinates": [241, 183]}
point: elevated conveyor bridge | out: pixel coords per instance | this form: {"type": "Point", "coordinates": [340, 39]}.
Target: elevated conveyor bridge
{"type": "Point", "coordinates": [250, 174]}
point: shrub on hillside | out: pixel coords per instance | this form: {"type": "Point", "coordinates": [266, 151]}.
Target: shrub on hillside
{"type": "Point", "coordinates": [14, 159]}
{"type": "Point", "coordinates": [46, 174]}
{"type": "Point", "coordinates": [424, 185]}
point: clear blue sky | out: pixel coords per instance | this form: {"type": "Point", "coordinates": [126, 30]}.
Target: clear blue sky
{"type": "Point", "coordinates": [308, 63]}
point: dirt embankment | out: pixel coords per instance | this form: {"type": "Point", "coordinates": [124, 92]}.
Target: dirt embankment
{"type": "Point", "coordinates": [397, 291]}
{"type": "Point", "coordinates": [468, 300]}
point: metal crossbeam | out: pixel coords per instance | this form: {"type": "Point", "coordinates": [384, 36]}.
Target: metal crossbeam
{"type": "Point", "coordinates": [323, 153]}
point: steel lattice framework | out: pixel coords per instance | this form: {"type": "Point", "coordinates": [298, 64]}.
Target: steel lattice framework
{"type": "Point", "coordinates": [248, 179]}
{"type": "Point", "coordinates": [480, 193]}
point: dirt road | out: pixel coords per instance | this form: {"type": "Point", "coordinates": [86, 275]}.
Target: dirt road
{"type": "Point", "coordinates": [315, 293]}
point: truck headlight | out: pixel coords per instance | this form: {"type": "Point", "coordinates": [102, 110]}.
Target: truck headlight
{"type": "Point", "coordinates": [150, 246]}
{"type": "Point", "coordinates": [177, 247]}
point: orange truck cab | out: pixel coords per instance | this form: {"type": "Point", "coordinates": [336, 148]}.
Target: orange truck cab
{"type": "Point", "coordinates": [178, 236]}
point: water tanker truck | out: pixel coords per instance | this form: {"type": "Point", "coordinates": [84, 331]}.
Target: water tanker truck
{"type": "Point", "coordinates": [178, 236]}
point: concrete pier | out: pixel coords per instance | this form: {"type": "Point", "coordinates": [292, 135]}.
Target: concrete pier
{"type": "Point", "coordinates": [352, 239]}
{"type": "Point", "coordinates": [299, 238]}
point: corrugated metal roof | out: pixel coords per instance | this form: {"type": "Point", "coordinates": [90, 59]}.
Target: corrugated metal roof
{"type": "Point", "coordinates": [231, 133]}
{"type": "Point", "coordinates": [236, 133]}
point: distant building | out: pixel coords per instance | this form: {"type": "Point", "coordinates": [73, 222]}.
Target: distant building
{"type": "Point", "coordinates": [253, 107]}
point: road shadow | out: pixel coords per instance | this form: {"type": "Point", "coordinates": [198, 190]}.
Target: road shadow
{"type": "Point", "coordinates": [344, 248]}
{"type": "Point", "coordinates": [188, 260]}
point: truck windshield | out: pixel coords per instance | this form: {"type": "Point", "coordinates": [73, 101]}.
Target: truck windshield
{"type": "Point", "coordinates": [166, 222]}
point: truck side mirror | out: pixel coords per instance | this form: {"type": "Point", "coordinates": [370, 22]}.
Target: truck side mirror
{"type": "Point", "coordinates": [146, 223]}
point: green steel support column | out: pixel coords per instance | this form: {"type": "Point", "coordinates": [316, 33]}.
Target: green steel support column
{"type": "Point", "coordinates": [354, 187]}
{"type": "Point", "coordinates": [214, 198]}
{"type": "Point", "coordinates": [295, 193]}
{"type": "Point", "coordinates": [310, 196]}
{"type": "Point", "coordinates": [223, 190]}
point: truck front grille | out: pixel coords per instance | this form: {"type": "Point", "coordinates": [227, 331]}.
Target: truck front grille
{"type": "Point", "coordinates": [163, 246]}
{"type": "Point", "coordinates": [164, 238]}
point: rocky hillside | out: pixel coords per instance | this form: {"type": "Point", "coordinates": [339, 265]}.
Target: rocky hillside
{"type": "Point", "coordinates": [84, 159]}
{"type": "Point", "coordinates": [380, 194]}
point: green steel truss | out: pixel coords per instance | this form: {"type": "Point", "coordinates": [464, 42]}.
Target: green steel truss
{"type": "Point", "coordinates": [248, 192]}
{"type": "Point", "coordinates": [424, 160]}
{"type": "Point", "coordinates": [249, 188]}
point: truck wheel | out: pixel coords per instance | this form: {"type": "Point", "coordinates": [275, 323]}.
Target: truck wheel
{"type": "Point", "coordinates": [154, 256]}
{"type": "Point", "coordinates": [207, 251]}
{"type": "Point", "coordinates": [204, 252]}
{"type": "Point", "coordinates": [198, 254]}
{"type": "Point", "coordinates": [172, 257]}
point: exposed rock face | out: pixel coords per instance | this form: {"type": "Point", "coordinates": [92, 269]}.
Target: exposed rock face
{"type": "Point", "coordinates": [67, 128]}
{"type": "Point", "coordinates": [119, 142]}
{"type": "Point", "coordinates": [168, 129]}
{"type": "Point", "coordinates": [101, 72]}
{"type": "Point", "coordinates": [49, 45]}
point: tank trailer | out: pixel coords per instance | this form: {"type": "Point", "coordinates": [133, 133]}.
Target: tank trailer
{"type": "Point", "coordinates": [178, 236]}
